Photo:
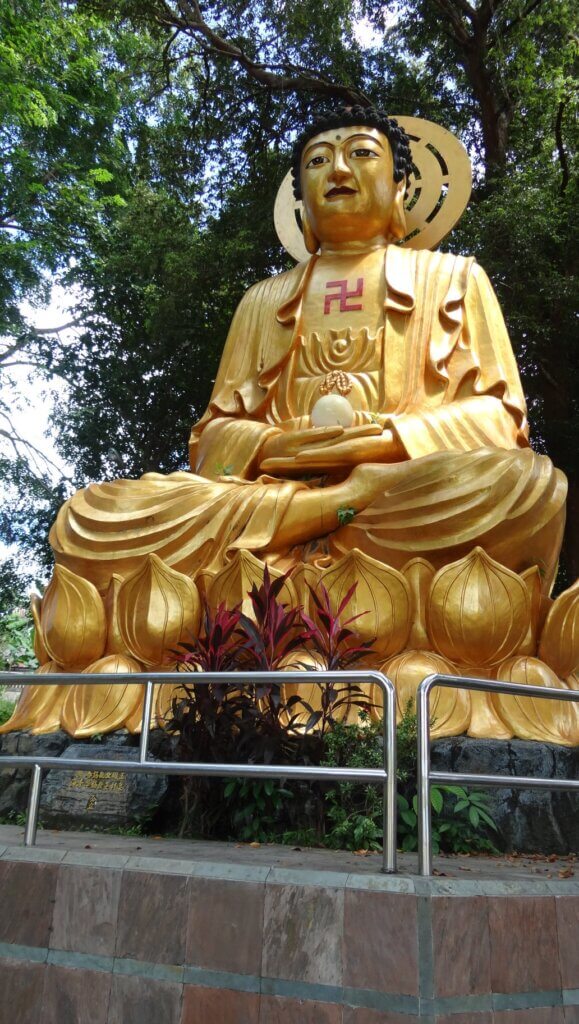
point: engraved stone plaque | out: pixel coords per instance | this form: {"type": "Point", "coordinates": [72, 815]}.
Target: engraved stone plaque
{"type": "Point", "coordinates": [105, 799]}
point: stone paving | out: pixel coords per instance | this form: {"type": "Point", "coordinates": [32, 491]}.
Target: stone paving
{"type": "Point", "coordinates": [508, 868]}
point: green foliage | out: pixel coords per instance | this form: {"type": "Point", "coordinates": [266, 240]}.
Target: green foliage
{"type": "Point", "coordinates": [6, 709]}
{"type": "Point", "coordinates": [16, 641]}
{"type": "Point", "coordinates": [353, 813]}
{"type": "Point", "coordinates": [255, 807]}
{"type": "Point", "coordinates": [458, 826]}
{"type": "Point", "coordinates": [345, 515]}
{"type": "Point", "coordinates": [460, 819]}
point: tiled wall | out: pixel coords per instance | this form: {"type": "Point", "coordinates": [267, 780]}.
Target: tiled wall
{"type": "Point", "coordinates": [107, 939]}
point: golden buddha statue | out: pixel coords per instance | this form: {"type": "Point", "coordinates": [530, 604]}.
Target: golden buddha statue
{"type": "Point", "coordinates": [367, 424]}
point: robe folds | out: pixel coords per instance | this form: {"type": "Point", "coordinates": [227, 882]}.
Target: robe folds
{"type": "Point", "coordinates": [451, 394]}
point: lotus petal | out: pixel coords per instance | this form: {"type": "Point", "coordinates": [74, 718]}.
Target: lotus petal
{"type": "Point", "coordinates": [114, 644]}
{"type": "Point", "coordinates": [381, 600]}
{"type": "Point", "coordinates": [203, 580]}
{"type": "Point", "coordinates": [38, 708]}
{"type": "Point", "coordinates": [419, 574]}
{"type": "Point", "coordinates": [559, 645]}
{"type": "Point", "coordinates": [449, 709]}
{"type": "Point", "coordinates": [40, 652]}
{"type": "Point", "coordinates": [485, 720]}
{"type": "Point", "coordinates": [478, 611]}
{"type": "Point", "coordinates": [73, 620]}
{"type": "Point", "coordinates": [232, 584]}
{"type": "Point", "coordinates": [533, 582]}
{"type": "Point", "coordinates": [158, 607]}
{"type": "Point", "coordinates": [550, 721]}
{"type": "Point", "coordinates": [88, 710]}
{"type": "Point", "coordinates": [304, 576]}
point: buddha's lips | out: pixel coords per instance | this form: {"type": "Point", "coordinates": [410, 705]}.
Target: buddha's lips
{"type": "Point", "coordinates": [341, 190]}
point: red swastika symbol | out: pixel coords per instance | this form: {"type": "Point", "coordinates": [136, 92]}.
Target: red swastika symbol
{"type": "Point", "coordinates": [342, 296]}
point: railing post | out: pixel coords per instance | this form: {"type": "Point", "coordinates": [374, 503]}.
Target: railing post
{"type": "Point", "coordinates": [33, 806]}
{"type": "Point", "coordinates": [424, 810]}
{"type": "Point", "coordinates": [389, 792]}
{"type": "Point", "coordinates": [146, 721]}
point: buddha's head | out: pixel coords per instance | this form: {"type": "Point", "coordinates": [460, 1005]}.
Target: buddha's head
{"type": "Point", "coordinates": [351, 170]}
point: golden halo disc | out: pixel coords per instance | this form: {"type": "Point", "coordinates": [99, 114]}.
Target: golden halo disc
{"type": "Point", "coordinates": [437, 194]}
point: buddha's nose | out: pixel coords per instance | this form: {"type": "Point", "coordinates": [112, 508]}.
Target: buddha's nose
{"type": "Point", "coordinates": [340, 170]}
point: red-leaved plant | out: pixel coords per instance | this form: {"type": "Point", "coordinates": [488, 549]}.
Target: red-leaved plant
{"type": "Point", "coordinates": [339, 648]}
{"type": "Point", "coordinates": [258, 723]}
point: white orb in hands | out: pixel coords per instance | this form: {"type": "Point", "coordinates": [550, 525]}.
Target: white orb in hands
{"type": "Point", "coordinates": [332, 411]}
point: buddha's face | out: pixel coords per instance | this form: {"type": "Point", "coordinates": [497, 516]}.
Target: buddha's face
{"type": "Point", "coordinates": [348, 187]}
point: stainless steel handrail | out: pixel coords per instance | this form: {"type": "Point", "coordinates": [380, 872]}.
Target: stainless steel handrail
{"type": "Point", "coordinates": [426, 776]}
{"type": "Point", "coordinates": [385, 775]}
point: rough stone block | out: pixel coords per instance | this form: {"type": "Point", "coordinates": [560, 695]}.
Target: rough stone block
{"type": "Point", "coordinates": [86, 908]}
{"type": "Point", "coordinates": [523, 944]}
{"type": "Point", "coordinates": [529, 820]}
{"type": "Point", "coordinates": [303, 933]}
{"type": "Point", "coordinates": [27, 903]}
{"type": "Point", "coordinates": [152, 921]}
{"type": "Point", "coordinates": [15, 782]}
{"type": "Point", "coordinates": [21, 986]}
{"type": "Point", "coordinates": [208, 1005]}
{"type": "Point", "coordinates": [567, 908]}
{"type": "Point", "coordinates": [75, 996]}
{"type": "Point", "coordinates": [381, 942]}
{"type": "Point", "coordinates": [138, 1000]}
{"type": "Point", "coordinates": [460, 940]}
{"type": "Point", "coordinates": [105, 799]}
{"type": "Point", "coordinates": [225, 925]}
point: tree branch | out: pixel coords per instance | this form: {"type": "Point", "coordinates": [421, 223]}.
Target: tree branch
{"type": "Point", "coordinates": [521, 17]}
{"type": "Point", "coordinates": [561, 148]}
{"type": "Point", "coordinates": [287, 78]}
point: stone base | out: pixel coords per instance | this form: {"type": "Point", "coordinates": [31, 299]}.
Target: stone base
{"type": "Point", "coordinates": [84, 799]}
{"type": "Point", "coordinates": [529, 820]}
{"type": "Point", "coordinates": [185, 933]}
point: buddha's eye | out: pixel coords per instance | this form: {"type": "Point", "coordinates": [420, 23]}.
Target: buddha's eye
{"type": "Point", "coordinates": [317, 161]}
{"type": "Point", "coordinates": [364, 153]}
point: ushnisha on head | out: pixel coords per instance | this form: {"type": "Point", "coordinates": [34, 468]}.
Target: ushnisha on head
{"type": "Point", "coordinates": [351, 170]}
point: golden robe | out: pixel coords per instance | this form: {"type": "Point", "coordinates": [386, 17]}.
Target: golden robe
{"type": "Point", "coordinates": [450, 392]}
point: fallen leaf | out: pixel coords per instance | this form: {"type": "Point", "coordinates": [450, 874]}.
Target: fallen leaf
{"type": "Point", "coordinates": [255, 844]}
{"type": "Point", "coordinates": [566, 873]}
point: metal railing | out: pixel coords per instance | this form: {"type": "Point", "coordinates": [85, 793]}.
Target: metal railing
{"type": "Point", "coordinates": [386, 776]}
{"type": "Point", "coordinates": [426, 776]}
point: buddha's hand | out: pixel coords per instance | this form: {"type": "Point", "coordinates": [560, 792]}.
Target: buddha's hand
{"type": "Point", "coordinates": [327, 448]}
{"type": "Point", "coordinates": [280, 450]}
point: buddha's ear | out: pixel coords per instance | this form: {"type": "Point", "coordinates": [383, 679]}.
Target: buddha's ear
{"type": "Point", "coordinates": [311, 242]}
{"type": "Point", "coordinates": [397, 226]}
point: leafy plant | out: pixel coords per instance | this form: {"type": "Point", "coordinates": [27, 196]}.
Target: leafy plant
{"type": "Point", "coordinates": [257, 723]}
{"type": "Point", "coordinates": [6, 708]}
{"type": "Point", "coordinates": [353, 813]}
{"type": "Point", "coordinates": [278, 631]}
{"type": "Point", "coordinates": [16, 641]}
{"type": "Point", "coordinates": [338, 648]}
{"type": "Point", "coordinates": [458, 827]}
{"type": "Point", "coordinates": [256, 807]}
{"type": "Point", "coordinates": [345, 515]}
